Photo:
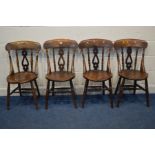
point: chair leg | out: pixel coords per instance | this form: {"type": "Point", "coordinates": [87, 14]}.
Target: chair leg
{"type": "Point", "coordinates": [84, 93]}
{"type": "Point", "coordinates": [19, 87]}
{"type": "Point", "coordinates": [103, 86]}
{"type": "Point", "coordinates": [37, 88]}
{"type": "Point", "coordinates": [47, 94]}
{"type": "Point", "coordinates": [120, 92]}
{"type": "Point", "coordinates": [8, 97]}
{"type": "Point", "coordinates": [118, 85]}
{"type": "Point", "coordinates": [53, 85]}
{"type": "Point", "coordinates": [147, 93]}
{"type": "Point", "coordinates": [110, 93]}
{"type": "Point", "coordinates": [73, 94]}
{"type": "Point", "coordinates": [34, 95]}
{"type": "Point", "coordinates": [134, 90]}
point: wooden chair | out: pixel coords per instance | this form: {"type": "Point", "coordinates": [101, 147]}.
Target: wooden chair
{"type": "Point", "coordinates": [96, 64]}
{"type": "Point", "coordinates": [23, 57]}
{"type": "Point", "coordinates": [60, 61]}
{"type": "Point", "coordinates": [130, 57]}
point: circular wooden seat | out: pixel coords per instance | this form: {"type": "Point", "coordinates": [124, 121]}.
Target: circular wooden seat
{"type": "Point", "coordinates": [60, 76]}
{"type": "Point", "coordinates": [133, 75]}
{"type": "Point", "coordinates": [97, 75]}
{"type": "Point", "coordinates": [21, 77]}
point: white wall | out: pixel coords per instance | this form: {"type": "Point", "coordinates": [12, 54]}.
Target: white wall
{"type": "Point", "coordinates": [40, 34]}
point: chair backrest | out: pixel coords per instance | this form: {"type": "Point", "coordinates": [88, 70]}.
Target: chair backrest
{"type": "Point", "coordinates": [60, 54]}
{"type": "Point", "coordinates": [130, 54]}
{"type": "Point", "coordinates": [23, 56]}
{"type": "Point", "coordinates": [96, 54]}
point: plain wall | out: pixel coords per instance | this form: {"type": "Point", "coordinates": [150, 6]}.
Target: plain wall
{"type": "Point", "coordinates": [41, 34]}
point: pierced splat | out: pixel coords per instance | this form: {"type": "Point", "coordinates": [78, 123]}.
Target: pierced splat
{"type": "Point", "coordinates": [95, 59]}
{"type": "Point", "coordinates": [129, 58]}
{"type": "Point", "coordinates": [60, 53]}
{"type": "Point", "coordinates": [132, 72]}
{"type": "Point", "coordinates": [98, 72]}
{"type": "Point", "coordinates": [25, 62]}
{"type": "Point", "coordinates": [61, 61]}
{"type": "Point", "coordinates": [21, 56]}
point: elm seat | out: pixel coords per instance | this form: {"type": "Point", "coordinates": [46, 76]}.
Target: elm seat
{"type": "Point", "coordinates": [96, 65]}
{"type": "Point", "coordinates": [23, 59]}
{"type": "Point", "coordinates": [21, 77]}
{"type": "Point", "coordinates": [60, 76]}
{"type": "Point", "coordinates": [130, 60]}
{"type": "Point", "coordinates": [133, 75]}
{"type": "Point", "coordinates": [97, 75]}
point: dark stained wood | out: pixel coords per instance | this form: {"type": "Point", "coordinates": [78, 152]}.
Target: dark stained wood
{"type": "Point", "coordinates": [90, 43]}
{"type": "Point", "coordinates": [128, 52]}
{"type": "Point", "coordinates": [110, 93]}
{"type": "Point", "coordinates": [58, 43]}
{"type": "Point", "coordinates": [26, 68]}
{"type": "Point", "coordinates": [134, 89]}
{"type": "Point", "coordinates": [25, 62]}
{"type": "Point", "coordinates": [35, 82]}
{"type": "Point", "coordinates": [47, 94]}
{"type": "Point", "coordinates": [95, 68]}
{"type": "Point", "coordinates": [95, 60]}
{"type": "Point", "coordinates": [84, 93]}
{"type": "Point", "coordinates": [129, 60]}
{"type": "Point", "coordinates": [135, 65]}
{"type": "Point", "coordinates": [73, 94]}
{"type": "Point", "coordinates": [19, 45]}
{"type": "Point", "coordinates": [103, 86]}
{"type": "Point", "coordinates": [8, 97]}
{"type": "Point", "coordinates": [147, 93]}
{"type": "Point", "coordinates": [52, 89]}
{"type": "Point", "coordinates": [62, 60]}
{"type": "Point", "coordinates": [19, 87]}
